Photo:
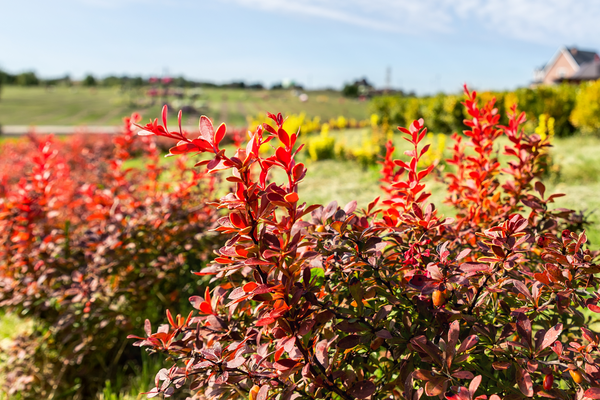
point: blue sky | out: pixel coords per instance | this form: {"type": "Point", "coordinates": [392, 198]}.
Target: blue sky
{"type": "Point", "coordinates": [430, 45]}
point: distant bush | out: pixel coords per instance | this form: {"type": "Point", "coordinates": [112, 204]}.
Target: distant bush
{"type": "Point", "coordinates": [445, 113]}
{"type": "Point", "coordinates": [586, 114]}
{"type": "Point", "coordinates": [27, 79]}
{"type": "Point", "coordinates": [89, 81]}
{"type": "Point", "coordinates": [350, 90]}
{"type": "Point", "coordinates": [557, 102]}
{"type": "Point", "coordinates": [322, 147]}
{"type": "Point", "coordinates": [306, 125]}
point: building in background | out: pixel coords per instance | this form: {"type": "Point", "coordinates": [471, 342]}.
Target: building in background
{"type": "Point", "coordinates": [571, 65]}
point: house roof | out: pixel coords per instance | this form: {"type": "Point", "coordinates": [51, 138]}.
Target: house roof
{"type": "Point", "coordinates": [582, 56]}
{"type": "Point", "coordinates": [587, 71]}
{"type": "Point", "coordinates": [578, 60]}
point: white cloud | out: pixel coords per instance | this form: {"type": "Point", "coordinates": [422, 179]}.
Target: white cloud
{"type": "Point", "coordinates": [540, 21]}
{"type": "Point", "coordinates": [395, 16]}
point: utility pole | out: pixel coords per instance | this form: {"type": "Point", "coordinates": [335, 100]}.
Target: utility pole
{"type": "Point", "coordinates": [388, 79]}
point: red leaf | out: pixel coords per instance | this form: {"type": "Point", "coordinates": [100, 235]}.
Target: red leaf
{"type": "Point", "coordinates": [220, 134]}
{"type": "Point", "coordinates": [250, 286]}
{"type": "Point", "coordinates": [594, 308]}
{"type": "Point", "coordinates": [291, 197]}
{"type": "Point", "coordinates": [207, 131]}
{"type": "Point", "coordinates": [265, 321]}
{"type": "Point", "coordinates": [206, 308]}
{"type": "Point", "coordinates": [278, 354]}
{"type": "Point", "coordinates": [184, 148]}
{"type": "Point", "coordinates": [283, 137]}
{"type": "Point", "coordinates": [593, 393]}
{"type": "Point", "coordinates": [542, 277]}
{"type": "Point", "coordinates": [164, 115]}
{"type": "Point", "coordinates": [282, 155]}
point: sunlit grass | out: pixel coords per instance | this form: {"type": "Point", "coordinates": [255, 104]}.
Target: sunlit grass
{"type": "Point", "coordinates": [107, 106]}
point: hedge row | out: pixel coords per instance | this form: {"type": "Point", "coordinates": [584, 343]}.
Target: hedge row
{"type": "Point", "coordinates": [572, 107]}
{"type": "Point", "coordinates": [88, 247]}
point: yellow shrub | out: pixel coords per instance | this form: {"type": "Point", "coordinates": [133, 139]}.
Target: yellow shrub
{"type": "Point", "coordinates": [545, 127]}
{"type": "Point", "coordinates": [342, 122]}
{"type": "Point", "coordinates": [586, 114]}
{"type": "Point", "coordinates": [368, 153]}
{"type": "Point", "coordinates": [435, 154]}
{"type": "Point", "coordinates": [322, 147]}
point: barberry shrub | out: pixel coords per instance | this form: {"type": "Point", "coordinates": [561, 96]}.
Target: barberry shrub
{"type": "Point", "coordinates": [88, 248]}
{"type": "Point", "coordinates": [391, 301]}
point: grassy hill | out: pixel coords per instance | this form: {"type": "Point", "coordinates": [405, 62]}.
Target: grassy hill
{"type": "Point", "coordinates": [107, 106]}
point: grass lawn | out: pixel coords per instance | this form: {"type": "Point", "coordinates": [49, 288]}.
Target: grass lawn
{"type": "Point", "coordinates": [106, 106]}
{"type": "Point", "coordinates": [578, 176]}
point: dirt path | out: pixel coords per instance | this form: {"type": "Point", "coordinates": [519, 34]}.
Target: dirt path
{"type": "Point", "coordinates": [224, 113]}
{"type": "Point", "coordinates": [21, 130]}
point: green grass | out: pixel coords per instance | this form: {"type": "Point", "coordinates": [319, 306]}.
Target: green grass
{"type": "Point", "coordinates": [578, 160]}
{"type": "Point", "coordinates": [130, 386]}
{"type": "Point", "coordinates": [107, 106]}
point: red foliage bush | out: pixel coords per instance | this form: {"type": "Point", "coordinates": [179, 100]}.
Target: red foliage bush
{"type": "Point", "coordinates": [87, 247]}
{"type": "Point", "coordinates": [392, 301]}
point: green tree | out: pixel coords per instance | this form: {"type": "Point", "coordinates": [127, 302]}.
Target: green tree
{"type": "Point", "coordinates": [89, 81]}
{"type": "Point", "coordinates": [27, 79]}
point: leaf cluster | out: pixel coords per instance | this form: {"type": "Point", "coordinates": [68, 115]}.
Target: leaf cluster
{"type": "Point", "coordinates": [88, 247]}
{"type": "Point", "coordinates": [391, 301]}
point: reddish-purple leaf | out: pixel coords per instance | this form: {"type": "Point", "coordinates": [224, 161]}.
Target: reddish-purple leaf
{"type": "Point", "coordinates": [463, 254]}
{"type": "Point", "coordinates": [463, 375]}
{"type": "Point", "coordinates": [349, 342]}
{"type": "Point", "coordinates": [469, 342]}
{"type": "Point", "coordinates": [236, 362]}
{"type": "Point", "coordinates": [384, 334]}
{"type": "Point", "coordinates": [474, 385]}
{"type": "Point", "coordinates": [263, 393]}
{"type": "Point", "coordinates": [362, 389]}
{"type": "Point", "coordinates": [501, 365]}
{"type": "Point", "coordinates": [321, 352]}
{"type": "Point", "coordinates": [436, 386]}
{"type": "Point", "coordinates": [525, 382]}
{"type": "Point", "coordinates": [285, 364]}
{"type": "Point", "coordinates": [550, 337]}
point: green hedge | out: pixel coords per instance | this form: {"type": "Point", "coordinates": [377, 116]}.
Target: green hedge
{"type": "Point", "coordinates": [573, 107]}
